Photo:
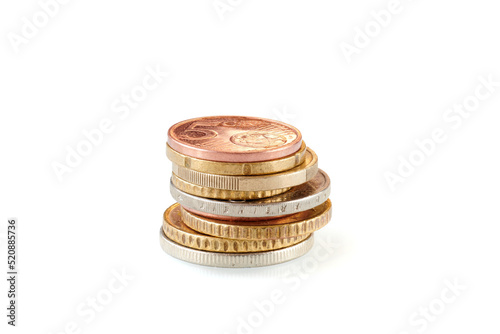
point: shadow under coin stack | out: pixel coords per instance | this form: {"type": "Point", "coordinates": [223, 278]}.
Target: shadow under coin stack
{"type": "Point", "coordinates": [249, 192]}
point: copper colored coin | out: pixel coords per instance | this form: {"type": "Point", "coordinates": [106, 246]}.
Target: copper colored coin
{"type": "Point", "coordinates": [234, 138]}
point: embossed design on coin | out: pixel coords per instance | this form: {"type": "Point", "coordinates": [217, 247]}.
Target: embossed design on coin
{"type": "Point", "coordinates": [258, 139]}
{"type": "Point", "coordinates": [234, 138]}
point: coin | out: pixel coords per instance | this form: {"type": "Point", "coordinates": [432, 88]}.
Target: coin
{"type": "Point", "coordinates": [176, 230]}
{"type": "Point", "coordinates": [238, 168]}
{"type": "Point", "coordinates": [235, 260]}
{"type": "Point", "coordinates": [234, 138]}
{"type": "Point", "coordinates": [300, 223]}
{"type": "Point", "coordinates": [295, 176]}
{"type": "Point", "coordinates": [200, 191]}
{"type": "Point", "coordinates": [299, 198]}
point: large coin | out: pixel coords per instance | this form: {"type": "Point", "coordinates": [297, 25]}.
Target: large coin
{"type": "Point", "coordinates": [300, 223]}
{"type": "Point", "coordinates": [235, 260]}
{"type": "Point", "coordinates": [299, 198]}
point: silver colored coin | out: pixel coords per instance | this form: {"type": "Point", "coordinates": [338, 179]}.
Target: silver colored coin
{"type": "Point", "coordinates": [300, 198]}
{"type": "Point", "coordinates": [232, 260]}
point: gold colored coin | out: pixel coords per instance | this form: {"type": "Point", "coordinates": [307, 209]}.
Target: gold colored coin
{"type": "Point", "coordinates": [237, 168]}
{"type": "Point", "coordinates": [297, 224]}
{"type": "Point", "coordinates": [177, 231]}
{"type": "Point", "coordinates": [290, 178]}
{"type": "Point", "coordinates": [208, 192]}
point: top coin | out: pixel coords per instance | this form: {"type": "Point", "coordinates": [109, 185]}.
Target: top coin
{"type": "Point", "coordinates": [234, 138]}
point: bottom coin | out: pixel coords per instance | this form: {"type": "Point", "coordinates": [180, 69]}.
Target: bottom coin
{"type": "Point", "coordinates": [231, 260]}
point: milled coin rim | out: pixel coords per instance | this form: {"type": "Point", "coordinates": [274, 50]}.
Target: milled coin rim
{"type": "Point", "coordinates": [238, 168]}
{"type": "Point", "coordinates": [290, 178]}
{"type": "Point", "coordinates": [249, 209]}
{"type": "Point", "coordinates": [188, 237]}
{"type": "Point", "coordinates": [223, 194]}
{"type": "Point", "coordinates": [235, 260]}
{"type": "Point", "coordinates": [259, 230]}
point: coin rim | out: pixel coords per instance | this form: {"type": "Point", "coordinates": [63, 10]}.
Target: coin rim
{"type": "Point", "coordinates": [235, 260]}
{"type": "Point", "coordinates": [238, 168]}
{"type": "Point", "coordinates": [249, 209]}
{"type": "Point", "coordinates": [223, 194]}
{"type": "Point", "coordinates": [290, 178]}
{"type": "Point", "coordinates": [262, 155]}
{"type": "Point", "coordinates": [256, 232]}
{"type": "Point", "coordinates": [200, 241]}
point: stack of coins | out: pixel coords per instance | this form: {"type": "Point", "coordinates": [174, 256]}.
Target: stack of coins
{"type": "Point", "coordinates": [249, 192]}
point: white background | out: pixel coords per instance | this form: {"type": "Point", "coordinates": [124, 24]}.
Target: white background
{"type": "Point", "coordinates": [275, 59]}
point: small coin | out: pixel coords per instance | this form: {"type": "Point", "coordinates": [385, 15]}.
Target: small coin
{"type": "Point", "coordinates": [235, 260]}
{"type": "Point", "coordinates": [293, 177]}
{"type": "Point", "coordinates": [299, 198]}
{"type": "Point", "coordinates": [234, 138]}
{"type": "Point", "coordinates": [238, 168]}
{"type": "Point", "coordinates": [201, 191]}
{"type": "Point", "coordinates": [176, 230]}
{"type": "Point", "coordinates": [300, 223]}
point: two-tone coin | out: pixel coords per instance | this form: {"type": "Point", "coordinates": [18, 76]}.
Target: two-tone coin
{"type": "Point", "coordinates": [235, 260]}
{"type": "Point", "coordinates": [299, 198]}
{"type": "Point", "coordinates": [297, 224]}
